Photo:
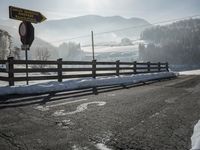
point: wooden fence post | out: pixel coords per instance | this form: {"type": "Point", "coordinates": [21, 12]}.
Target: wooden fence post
{"type": "Point", "coordinates": [10, 71]}
{"type": "Point", "coordinates": [159, 69]}
{"type": "Point", "coordinates": [117, 67]}
{"type": "Point", "coordinates": [59, 62]}
{"type": "Point", "coordinates": [94, 68]}
{"type": "Point", "coordinates": [148, 65]}
{"type": "Point", "coordinates": [135, 67]}
{"type": "Point", "coordinates": [167, 66]}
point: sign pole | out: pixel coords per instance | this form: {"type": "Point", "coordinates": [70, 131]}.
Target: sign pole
{"type": "Point", "coordinates": [26, 51]}
{"type": "Point", "coordinates": [92, 45]}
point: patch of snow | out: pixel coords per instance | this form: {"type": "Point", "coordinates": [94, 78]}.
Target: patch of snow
{"type": "Point", "coordinates": [72, 84]}
{"type": "Point", "coordinates": [46, 108]}
{"type": "Point", "coordinates": [170, 100]}
{"type": "Point", "coordinates": [75, 147]}
{"type": "Point", "coordinates": [154, 115]}
{"type": "Point", "coordinates": [196, 137]}
{"type": "Point", "coordinates": [102, 146]}
{"type": "Point", "coordinates": [191, 72]}
{"type": "Point", "coordinates": [111, 95]}
{"type": "Point", "coordinates": [80, 108]}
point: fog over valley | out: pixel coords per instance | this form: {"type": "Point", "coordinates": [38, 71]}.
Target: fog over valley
{"type": "Point", "coordinates": [141, 32]}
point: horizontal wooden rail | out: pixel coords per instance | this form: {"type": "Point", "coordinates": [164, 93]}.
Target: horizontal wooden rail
{"type": "Point", "coordinates": [35, 78]}
{"type": "Point", "coordinates": [76, 62]}
{"type": "Point", "coordinates": [3, 61]}
{"type": "Point", "coordinates": [76, 69]}
{"type": "Point", "coordinates": [106, 63]}
{"type": "Point", "coordinates": [76, 76]}
{"type": "Point", "coordinates": [34, 62]}
{"type": "Point", "coordinates": [106, 69]}
{"type": "Point", "coordinates": [34, 70]}
{"type": "Point", "coordinates": [126, 68]}
{"type": "Point", "coordinates": [4, 78]}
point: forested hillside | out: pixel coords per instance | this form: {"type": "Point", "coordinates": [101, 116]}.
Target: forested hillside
{"type": "Point", "coordinates": [177, 43]}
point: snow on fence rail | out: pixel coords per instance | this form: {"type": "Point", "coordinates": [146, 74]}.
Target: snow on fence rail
{"type": "Point", "coordinates": [14, 70]}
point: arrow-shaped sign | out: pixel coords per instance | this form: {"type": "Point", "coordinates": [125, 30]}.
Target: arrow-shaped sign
{"type": "Point", "coordinates": [25, 15]}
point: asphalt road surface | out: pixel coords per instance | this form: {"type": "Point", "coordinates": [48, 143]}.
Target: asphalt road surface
{"type": "Point", "coordinates": [155, 116]}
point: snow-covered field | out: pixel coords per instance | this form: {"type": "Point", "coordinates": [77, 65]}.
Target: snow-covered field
{"type": "Point", "coordinates": [71, 84]}
{"type": "Point", "coordinates": [113, 53]}
{"type": "Point", "coordinates": [101, 49]}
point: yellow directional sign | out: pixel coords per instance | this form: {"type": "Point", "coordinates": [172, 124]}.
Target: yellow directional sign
{"type": "Point", "coordinates": [25, 15]}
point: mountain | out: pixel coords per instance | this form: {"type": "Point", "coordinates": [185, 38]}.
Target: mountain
{"type": "Point", "coordinates": [56, 30]}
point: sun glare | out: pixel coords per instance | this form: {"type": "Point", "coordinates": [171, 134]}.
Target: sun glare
{"type": "Point", "coordinates": [91, 5]}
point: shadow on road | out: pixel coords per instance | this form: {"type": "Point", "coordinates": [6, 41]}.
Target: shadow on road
{"type": "Point", "coordinates": [12, 101]}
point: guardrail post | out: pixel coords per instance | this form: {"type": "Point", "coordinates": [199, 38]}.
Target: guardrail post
{"type": "Point", "coordinates": [167, 66]}
{"type": "Point", "coordinates": [59, 62]}
{"type": "Point", "coordinates": [94, 68]}
{"type": "Point", "coordinates": [117, 67]}
{"type": "Point", "coordinates": [159, 69]}
{"type": "Point", "coordinates": [148, 65]}
{"type": "Point", "coordinates": [10, 71]}
{"type": "Point", "coordinates": [135, 67]}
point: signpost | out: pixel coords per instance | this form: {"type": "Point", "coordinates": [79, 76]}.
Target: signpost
{"type": "Point", "coordinates": [26, 29]}
{"type": "Point", "coordinates": [25, 15]}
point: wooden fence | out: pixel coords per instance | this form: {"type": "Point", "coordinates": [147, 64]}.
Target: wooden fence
{"type": "Point", "coordinates": [14, 70]}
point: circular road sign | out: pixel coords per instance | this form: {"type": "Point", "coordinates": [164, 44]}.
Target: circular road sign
{"type": "Point", "coordinates": [23, 29]}
{"type": "Point", "coordinates": [26, 32]}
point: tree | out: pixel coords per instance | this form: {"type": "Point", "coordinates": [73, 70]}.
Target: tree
{"type": "Point", "coordinates": [42, 54]}
{"type": "Point", "coordinates": [5, 44]}
{"type": "Point", "coordinates": [177, 43]}
{"type": "Point", "coordinates": [16, 52]}
{"type": "Point", "coordinates": [126, 41]}
{"type": "Point", "coordinates": [141, 48]}
{"type": "Point", "coordinates": [71, 51]}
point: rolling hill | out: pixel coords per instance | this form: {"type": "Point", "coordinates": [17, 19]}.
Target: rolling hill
{"type": "Point", "coordinates": [56, 30]}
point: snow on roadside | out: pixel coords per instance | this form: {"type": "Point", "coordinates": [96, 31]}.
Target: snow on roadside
{"type": "Point", "coordinates": [190, 72]}
{"type": "Point", "coordinates": [196, 137]}
{"type": "Point", "coordinates": [72, 84]}
{"type": "Point", "coordinates": [101, 146]}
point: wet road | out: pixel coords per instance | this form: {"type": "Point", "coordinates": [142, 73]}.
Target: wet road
{"type": "Point", "coordinates": [156, 116]}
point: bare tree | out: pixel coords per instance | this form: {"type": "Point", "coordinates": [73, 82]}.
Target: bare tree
{"type": "Point", "coordinates": [16, 52]}
{"type": "Point", "coordinates": [42, 54]}
{"type": "Point", "coordinates": [4, 44]}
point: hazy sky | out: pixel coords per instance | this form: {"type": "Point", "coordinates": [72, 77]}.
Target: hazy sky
{"type": "Point", "coordinates": [152, 10]}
